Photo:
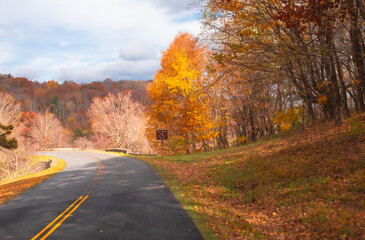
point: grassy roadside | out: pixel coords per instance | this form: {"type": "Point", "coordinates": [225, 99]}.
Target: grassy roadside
{"type": "Point", "coordinates": [13, 187]}
{"type": "Point", "coordinates": [306, 184]}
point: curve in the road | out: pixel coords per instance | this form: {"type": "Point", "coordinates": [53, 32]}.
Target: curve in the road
{"type": "Point", "coordinates": [97, 196]}
{"type": "Point", "coordinates": [45, 232]}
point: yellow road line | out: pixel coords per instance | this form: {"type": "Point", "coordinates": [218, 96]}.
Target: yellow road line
{"type": "Point", "coordinates": [63, 219]}
{"type": "Point", "coordinates": [44, 229]}
{"type": "Point", "coordinates": [81, 199]}
{"type": "Point", "coordinates": [97, 177]}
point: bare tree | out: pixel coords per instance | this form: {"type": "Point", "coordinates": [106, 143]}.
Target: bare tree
{"type": "Point", "coordinates": [9, 112]}
{"type": "Point", "coordinates": [119, 118]}
{"type": "Point", "coordinates": [11, 160]}
{"type": "Point", "coordinates": [47, 131]}
{"type": "Point", "coordinates": [9, 109]}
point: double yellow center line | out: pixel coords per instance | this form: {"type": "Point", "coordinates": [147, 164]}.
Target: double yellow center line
{"type": "Point", "coordinates": [65, 214]}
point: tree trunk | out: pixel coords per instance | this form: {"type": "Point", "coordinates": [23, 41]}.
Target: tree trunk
{"type": "Point", "coordinates": [361, 5]}
{"type": "Point", "coordinates": [187, 143]}
{"type": "Point", "coordinates": [193, 142]}
{"type": "Point", "coordinates": [252, 123]}
{"type": "Point", "coordinates": [341, 80]}
{"type": "Point", "coordinates": [312, 116]}
{"type": "Point", "coordinates": [333, 97]}
{"type": "Point", "coordinates": [357, 47]}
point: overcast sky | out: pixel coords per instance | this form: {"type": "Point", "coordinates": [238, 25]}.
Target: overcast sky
{"type": "Point", "coordinates": [89, 40]}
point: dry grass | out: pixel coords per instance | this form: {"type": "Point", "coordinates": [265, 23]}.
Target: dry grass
{"type": "Point", "coordinates": [306, 184]}
{"type": "Point", "coordinates": [12, 187]}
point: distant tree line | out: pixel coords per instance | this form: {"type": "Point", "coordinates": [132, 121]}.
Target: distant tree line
{"type": "Point", "coordinates": [69, 101]}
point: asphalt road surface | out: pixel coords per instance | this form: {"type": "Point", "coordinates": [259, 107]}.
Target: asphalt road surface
{"type": "Point", "coordinates": [97, 196]}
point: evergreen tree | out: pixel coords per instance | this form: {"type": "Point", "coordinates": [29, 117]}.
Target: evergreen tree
{"type": "Point", "coordinates": [11, 143]}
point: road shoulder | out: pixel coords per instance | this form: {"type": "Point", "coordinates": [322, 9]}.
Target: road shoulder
{"type": "Point", "coordinates": [13, 187]}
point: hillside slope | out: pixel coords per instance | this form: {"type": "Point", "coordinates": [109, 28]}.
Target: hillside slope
{"type": "Point", "coordinates": [303, 184]}
{"type": "Point", "coordinates": [69, 101]}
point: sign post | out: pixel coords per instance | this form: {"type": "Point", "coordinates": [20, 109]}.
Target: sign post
{"type": "Point", "coordinates": [162, 135]}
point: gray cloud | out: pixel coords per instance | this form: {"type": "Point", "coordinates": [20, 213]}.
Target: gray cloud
{"type": "Point", "coordinates": [116, 70]}
{"type": "Point", "coordinates": [29, 73]}
{"type": "Point", "coordinates": [136, 52]}
{"type": "Point", "coordinates": [176, 6]}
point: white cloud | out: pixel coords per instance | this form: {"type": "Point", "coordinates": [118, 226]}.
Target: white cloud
{"type": "Point", "coordinates": [64, 43]}
{"type": "Point", "coordinates": [6, 52]}
{"type": "Point", "coordinates": [76, 39]}
{"type": "Point", "coordinates": [117, 69]}
{"type": "Point", "coordinates": [176, 5]}
{"type": "Point", "coordinates": [5, 55]}
{"type": "Point", "coordinates": [4, 70]}
{"type": "Point", "coordinates": [29, 73]}
{"type": "Point", "coordinates": [134, 51]}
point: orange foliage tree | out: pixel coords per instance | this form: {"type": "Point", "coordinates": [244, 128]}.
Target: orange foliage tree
{"type": "Point", "coordinates": [52, 84]}
{"type": "Point", "coordinates": [177, 105]}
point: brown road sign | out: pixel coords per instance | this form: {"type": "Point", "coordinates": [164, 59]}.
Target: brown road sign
{"type": "Point", "coordinates": [162, 135]}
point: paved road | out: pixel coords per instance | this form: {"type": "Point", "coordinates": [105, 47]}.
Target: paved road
{"type": "Point", "coordinates": [97, 196]}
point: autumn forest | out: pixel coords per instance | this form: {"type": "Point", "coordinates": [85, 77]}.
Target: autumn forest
{"type": "Point", "coordinates": [264, 109]}
{"type": "Point", "coordinates": [257, 68]}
